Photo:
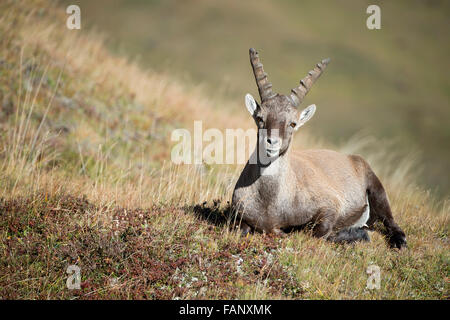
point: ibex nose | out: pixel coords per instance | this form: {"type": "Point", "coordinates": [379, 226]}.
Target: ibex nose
{"type": "Point", "coordinates": [274, 141]}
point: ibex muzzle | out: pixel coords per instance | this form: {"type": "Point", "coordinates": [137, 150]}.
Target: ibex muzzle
{"type": "Point", "coordinates": [338, 194]}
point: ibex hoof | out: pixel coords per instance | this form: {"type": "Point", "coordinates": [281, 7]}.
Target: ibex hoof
{"type": "Point", "coordinates": [279, 232]}
{"type": "Point", "coordinates": [398, 240]}
{"type": "Point", "coordinates": [245, 228]}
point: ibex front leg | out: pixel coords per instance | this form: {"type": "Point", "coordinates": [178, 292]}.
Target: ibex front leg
{"type": "Point", "coordinates": [278, 232]}
{"type": "Point", "coordinates": [245, 228]}
{"type": "Point", "coordinates": [324, 221]}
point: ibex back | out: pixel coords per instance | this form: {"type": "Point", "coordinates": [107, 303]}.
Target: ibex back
{"type": "Point", "coordinates": [338, 194]}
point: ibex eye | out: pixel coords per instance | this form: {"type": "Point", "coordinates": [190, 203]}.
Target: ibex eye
{"type": "Point", "coordinates": [293, 124]}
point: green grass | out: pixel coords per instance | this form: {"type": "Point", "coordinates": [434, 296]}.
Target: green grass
{"type": "Point", "coordinates": [86, 179]}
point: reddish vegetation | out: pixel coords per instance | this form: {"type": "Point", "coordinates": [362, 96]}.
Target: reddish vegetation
{"type": "Point", "coordinates": [45, 236]}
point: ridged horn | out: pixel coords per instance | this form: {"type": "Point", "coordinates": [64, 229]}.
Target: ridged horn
{"type": "Point", "coordinates": [264, 86]}
{"type": "Point", "coordinates": [299, 93]}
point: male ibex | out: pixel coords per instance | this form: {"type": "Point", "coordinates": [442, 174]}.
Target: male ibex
{"type": "Point", "coordinates": [338, 194]}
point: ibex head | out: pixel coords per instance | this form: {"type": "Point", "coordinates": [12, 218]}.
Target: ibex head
{"type": "Point", "coordinates": [277, 117]}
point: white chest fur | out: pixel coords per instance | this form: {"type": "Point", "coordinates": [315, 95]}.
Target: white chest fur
{"type": "Point", "coordinates": [272, 169]}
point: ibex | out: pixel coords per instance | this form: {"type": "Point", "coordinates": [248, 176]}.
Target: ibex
{"type": "Point", "coordinates": [338, 195]}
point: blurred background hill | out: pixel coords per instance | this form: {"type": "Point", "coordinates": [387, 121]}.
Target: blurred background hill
{"type": "Point", "coordinates": [391, 83]}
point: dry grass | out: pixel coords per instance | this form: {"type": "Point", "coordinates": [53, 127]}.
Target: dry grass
{"type": "Point", "coordinates": [392, 82]}
{"type": "Point", "coordinates": [86, 179]}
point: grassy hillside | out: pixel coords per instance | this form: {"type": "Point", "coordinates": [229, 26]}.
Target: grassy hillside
{"type": "Point", "coordinates": [390, 83]}
{"type": "Point", "coordinates": [86, 179]}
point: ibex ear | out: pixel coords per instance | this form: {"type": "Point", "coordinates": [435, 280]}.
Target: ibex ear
{"type": "Point", "coordinates": [306, 115]}
{"type": "Point", "coordinates": [251, 104]}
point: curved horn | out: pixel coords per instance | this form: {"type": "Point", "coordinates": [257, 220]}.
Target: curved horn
{"type": "Point", "coordinates": [299, 93]}
{"type": "Point", "coordinates": [264, 86]}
